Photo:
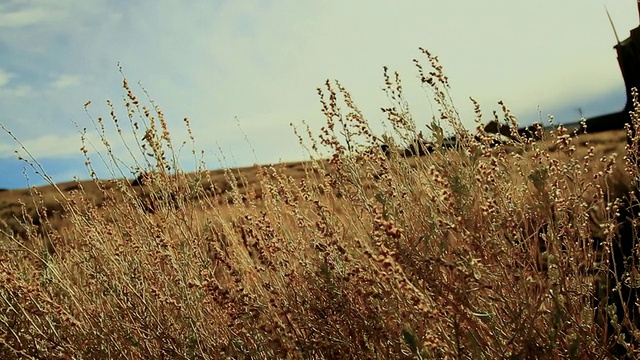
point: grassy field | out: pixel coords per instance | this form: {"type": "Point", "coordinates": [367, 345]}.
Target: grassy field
{"type": "Point", "coordinates": [474, 252]}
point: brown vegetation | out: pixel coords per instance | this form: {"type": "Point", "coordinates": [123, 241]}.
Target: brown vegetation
{"type": "Point", "coordinates": [471, 252]}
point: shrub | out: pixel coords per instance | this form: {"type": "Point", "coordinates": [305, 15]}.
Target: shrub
{"type": "Point", "coordinates": [477, 251]}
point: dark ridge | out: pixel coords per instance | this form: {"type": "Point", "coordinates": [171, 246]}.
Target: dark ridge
{"type": "Point", "coordinates": [420, 147]}
{"type": "Point", "coordinates": [72, 187]}
{"type": "Point", "coordinates": [526, 132]}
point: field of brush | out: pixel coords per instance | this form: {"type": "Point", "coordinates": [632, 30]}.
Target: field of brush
{"type": "Point", "coordinates": [473, 252]}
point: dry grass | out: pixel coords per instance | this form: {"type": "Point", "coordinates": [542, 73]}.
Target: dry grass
{"type": "Point", "coordinates": [473, 252]}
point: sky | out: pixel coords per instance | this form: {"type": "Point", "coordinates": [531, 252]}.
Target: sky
{"type": "Point", "coordinates": [243, 71]}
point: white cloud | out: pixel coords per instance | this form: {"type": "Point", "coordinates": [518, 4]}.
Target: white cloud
{"type": "Point", "coordinates": [6, 150]}
{"type": "Point", "coordinates": [59, 143]}
{"type": "Point", "coordinates": [5, 77]}
{"type": "Point", "coordinates": [47, 146]}
{"type": "Point", "coordinates": [66, 81]}
{"type": "Point", "coordinates": [23, 17]}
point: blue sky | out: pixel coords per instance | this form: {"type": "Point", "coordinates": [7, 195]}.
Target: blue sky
{"type": "Point", "coordinates": [260, 62]}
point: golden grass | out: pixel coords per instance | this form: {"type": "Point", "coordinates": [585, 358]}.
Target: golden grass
{"type": "Point", "coordinates": [473, 252]}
